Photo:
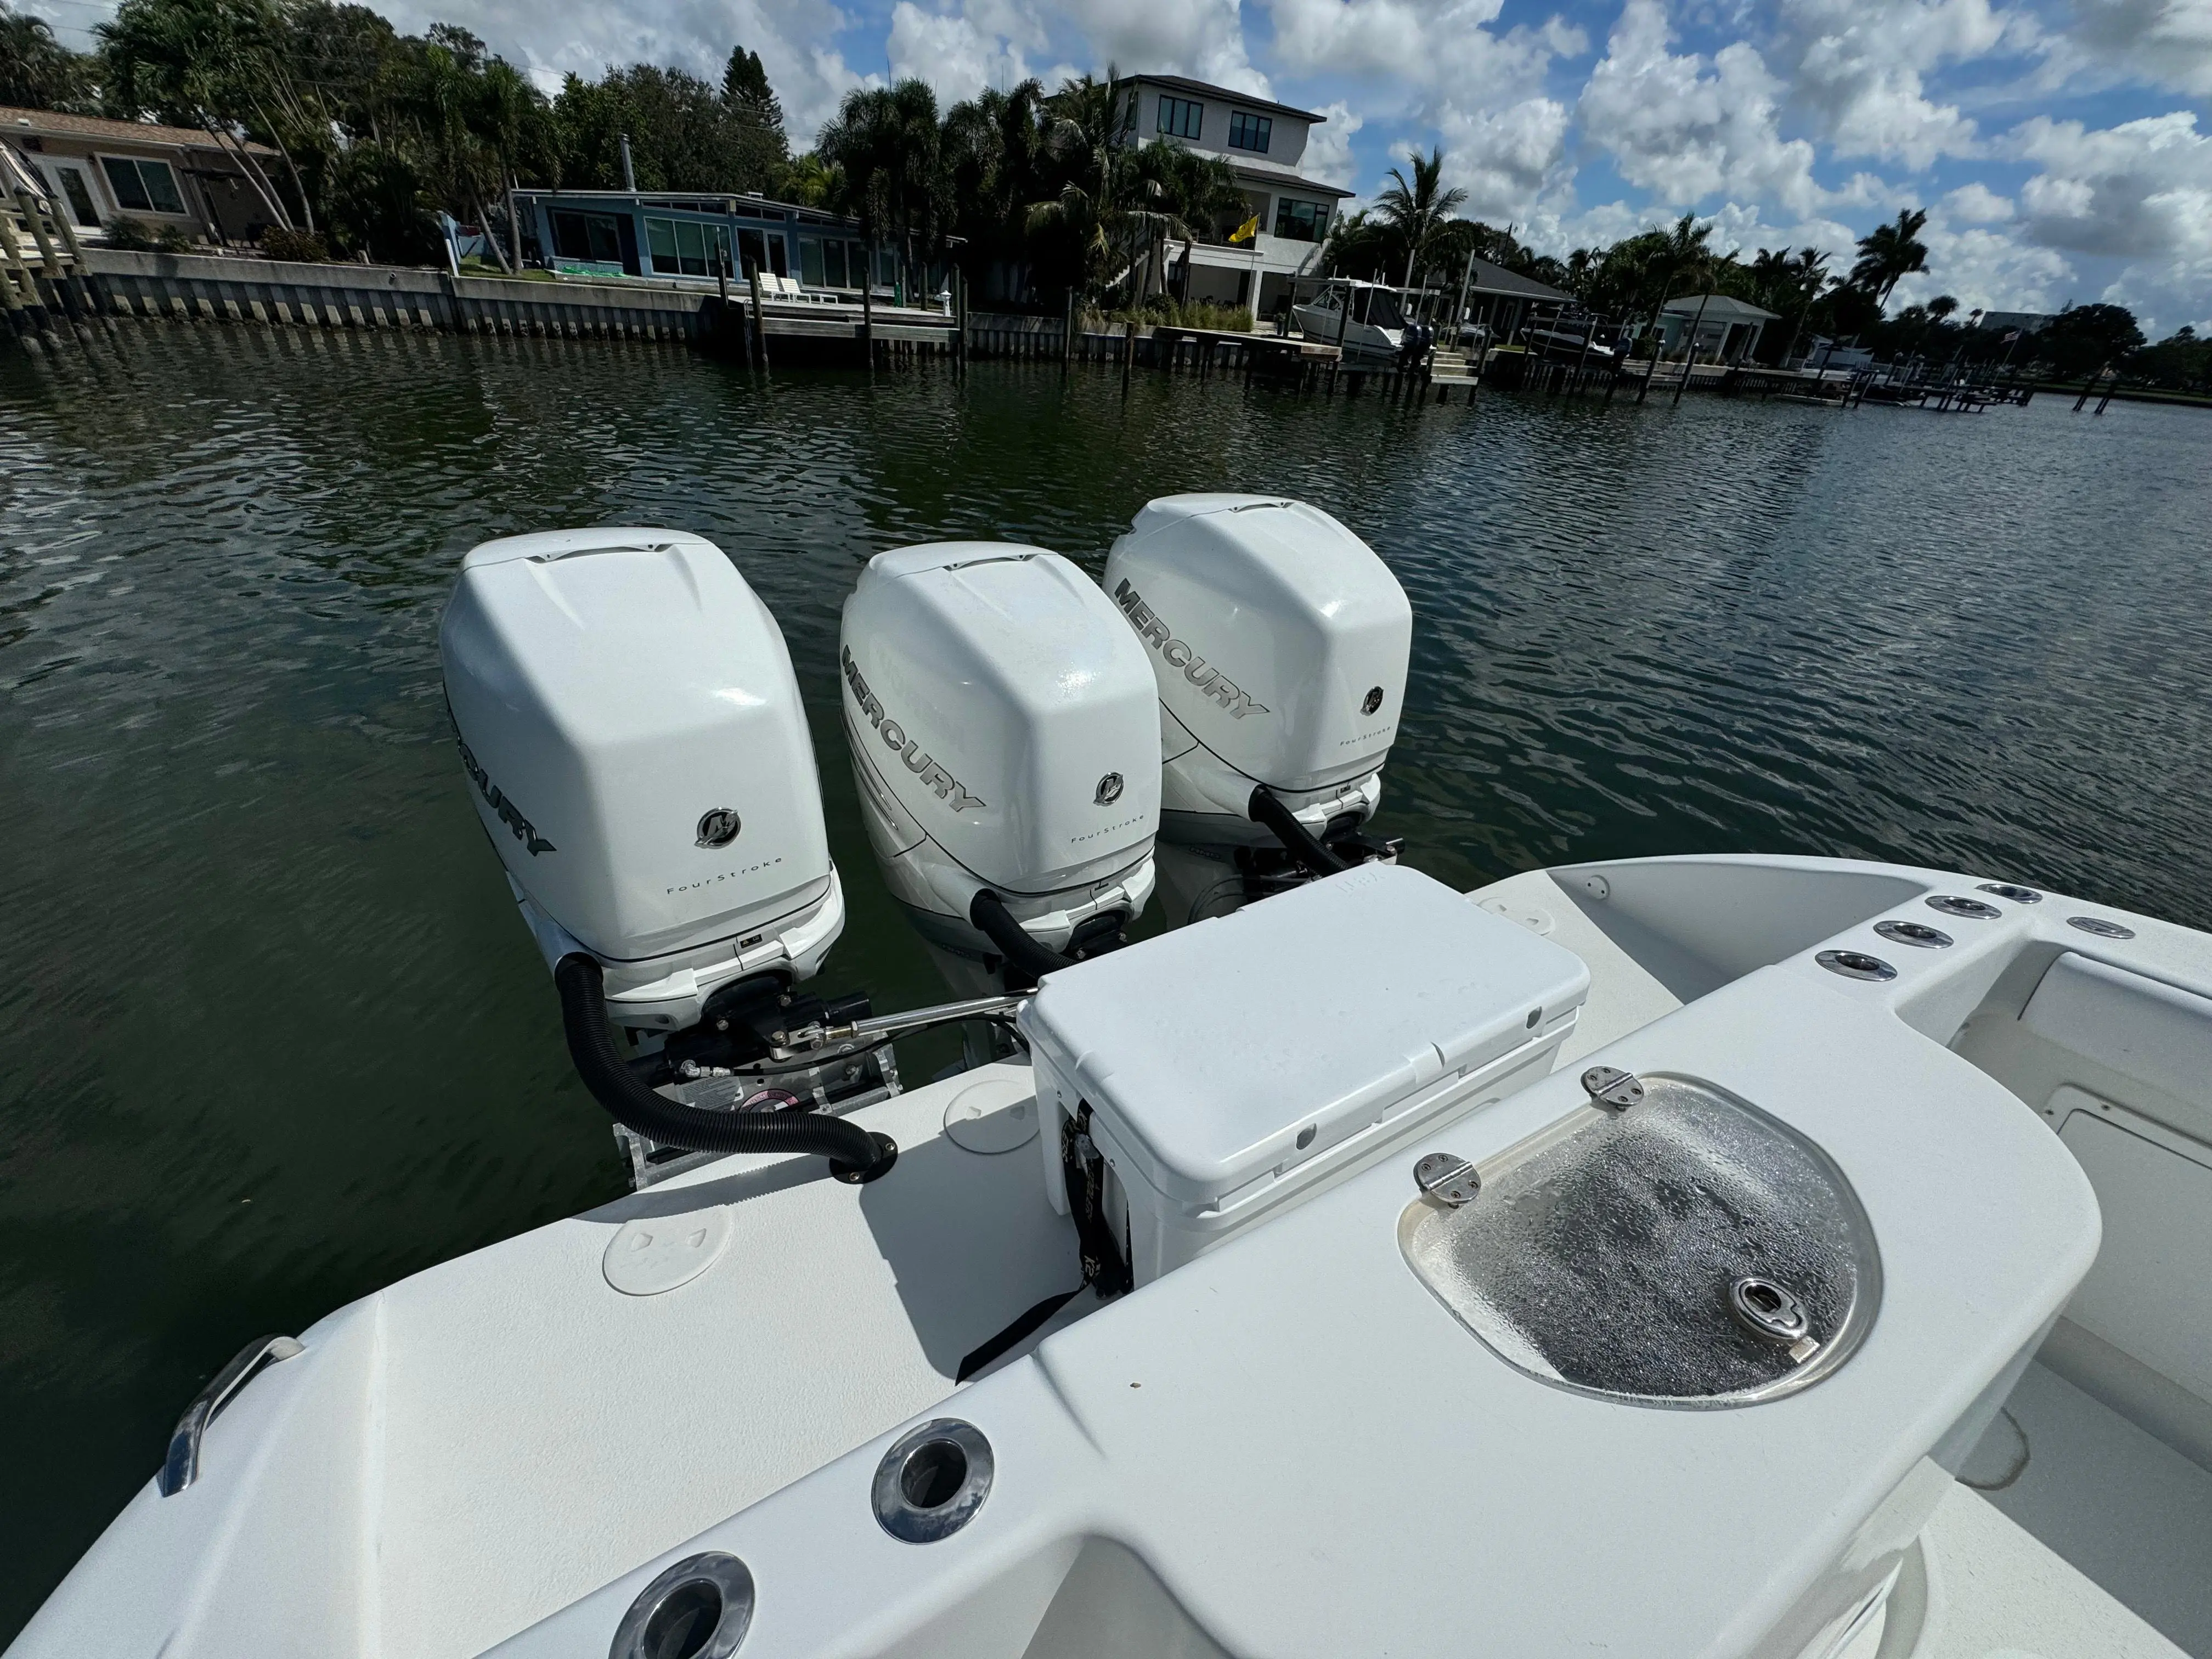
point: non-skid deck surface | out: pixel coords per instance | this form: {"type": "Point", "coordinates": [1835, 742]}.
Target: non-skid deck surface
{"type": "Point", "coordinates": [2121, 1506]}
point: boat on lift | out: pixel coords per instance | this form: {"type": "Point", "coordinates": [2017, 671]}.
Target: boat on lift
{"type": "Point", "coordinates": [1760, 1255]}
{"type": "Point", "coordinates": [1366, 318]}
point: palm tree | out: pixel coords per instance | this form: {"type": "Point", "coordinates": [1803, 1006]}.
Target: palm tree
{"type": "Point", "coordinates": [1890, 253]}
{"type": "Point", "coordinates": [1414, 210]}
{"type": "Point", "coordinates": [887, 141]}
{"type": "Point", "coordinates": [192, 62]}
{"type": "Point", "coordinates": [1083, 213]}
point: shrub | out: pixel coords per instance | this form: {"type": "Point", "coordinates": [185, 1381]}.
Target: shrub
{"type": "Point", "coordinates": [132, 235]}
{"type": "Point", "coordinates": [303, 246]}
{"type": "Point", "coordinates": [175, 239]}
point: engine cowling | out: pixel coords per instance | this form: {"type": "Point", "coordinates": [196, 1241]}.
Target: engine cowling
{"type": "Point", "coordinates": [638, 753]}
{"type": "Point", "coordinates": [1004, 735]}
{"type": "Point", "coordinates": [1279, 643]}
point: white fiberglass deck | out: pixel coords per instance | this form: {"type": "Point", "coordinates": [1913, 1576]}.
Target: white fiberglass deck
{"type": "Point", "coordinates": [1239, 1458]}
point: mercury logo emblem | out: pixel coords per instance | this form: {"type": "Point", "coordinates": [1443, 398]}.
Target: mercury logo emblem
{"type": "Point", "coordinates": [1374, 700]}
{"type": "Point", "coordinates": [719, 828]}
{"type": "Point", "coordinates": [1110, 790]}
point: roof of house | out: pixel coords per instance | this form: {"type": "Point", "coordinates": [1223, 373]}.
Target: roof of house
{"type": "Point", "coordinates": [1274, 173]}
{"type": "Point", "coordinates": [1224, 94]}
{"type": "Point", "coordinates": [1488, 278]}
{"type": "Point", "coordinates": [53, 124]}
{"type": "Point", "coordinates": [1719, 308]}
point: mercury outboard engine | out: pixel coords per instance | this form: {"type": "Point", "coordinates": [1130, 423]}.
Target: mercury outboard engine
{"type": "Point", "coordinates": [1006, 741]}
{"type": "Point", "coordinates": [639, 758]}
{"type": "Point", "coordinates": [1278, 642]}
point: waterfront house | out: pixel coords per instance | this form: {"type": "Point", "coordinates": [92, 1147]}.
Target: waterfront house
{"type": "Point", "coordinates": [1288, 213]}
{"type": "Point", "coordinates": [165, 178]}
{"type": "Point", "coordinates": [1505, 301]}
{"type": "Point", "coordinates": [691, 236]}
{"type": "Point", "coordinates": [1728, 330]}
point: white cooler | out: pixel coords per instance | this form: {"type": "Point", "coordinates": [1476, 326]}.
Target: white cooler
{"type": "Point", "coordinates": [1235, 1065]}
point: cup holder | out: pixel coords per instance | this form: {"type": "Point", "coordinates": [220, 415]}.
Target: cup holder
{"type": "Point", "coordinates": [932, 1481]}
{"type": "Point", "coordinates": [2005, 889]}
{"type": "Point", "coordinates": [1913, 933]}
{"type": "Point", "coordinates": [1856, 964]}
{"type": "Point", "coordinates": [1972, 908]}
{"type": "Point", "coordinates": [700, 1608]}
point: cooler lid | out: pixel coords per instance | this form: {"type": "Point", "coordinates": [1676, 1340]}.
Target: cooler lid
{"type": "Point", "coordinates": [1210, 1050]}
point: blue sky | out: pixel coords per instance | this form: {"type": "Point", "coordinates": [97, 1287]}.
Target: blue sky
{"type": "Point", "coordinates": [2063, 148]}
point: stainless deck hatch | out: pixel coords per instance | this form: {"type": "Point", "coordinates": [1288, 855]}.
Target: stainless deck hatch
{"type": "Point", "coordinates": [1689, 1251]}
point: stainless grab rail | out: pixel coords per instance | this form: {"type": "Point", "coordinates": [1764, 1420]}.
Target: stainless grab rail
{"type": "Point", "coordinates": [182, 1466]}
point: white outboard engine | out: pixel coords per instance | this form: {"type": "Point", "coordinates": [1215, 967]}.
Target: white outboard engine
{"type": "Point", "coordinates": [1007, 746]}
{"type": "Point", "coordinates": [1278, 641]}
{"type": "Point", "coordinates": [639, 758]}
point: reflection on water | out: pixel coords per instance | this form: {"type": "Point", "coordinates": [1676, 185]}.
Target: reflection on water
{"type": "Point", "coordinates": [274, 1037]}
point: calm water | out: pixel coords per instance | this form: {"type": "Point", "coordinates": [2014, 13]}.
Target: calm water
{"type": "Point", "coordinates": [271, 1036]}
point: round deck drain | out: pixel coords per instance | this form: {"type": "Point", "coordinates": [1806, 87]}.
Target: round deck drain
{"type": "Point", "coordinates": [700, 1608]}
{"type": "Point", "coordinates": [2101, 927]}
{"type": "Point", "coordinates": [995, 1115]}
{"type": "Point", "coordinates": [657, 1254]}
{"type": "Point", "coordinates": [1856, 964]}
{"type": "Point", "coordinates": [1973, 909]}
{"type": "Point", "coordinates": [2005, 889]}
{"type": "Point", "coordinates": [932, 1481]}
{"type": "Point", "coordinates": [1913, 933]}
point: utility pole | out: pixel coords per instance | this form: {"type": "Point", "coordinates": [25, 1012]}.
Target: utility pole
{"type": "Point", "coordinates": [629, 173]}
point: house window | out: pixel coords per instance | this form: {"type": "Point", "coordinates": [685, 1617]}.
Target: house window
{"type": "Point", "coordinates": [593, 238]}
{"type": "Point", "coordinates": [684, 247]}
{"type": "Point", "coordinates": [1182, 117]}
{"type": "Point", "coordinates": [1300, 221]}
{"type": "Point", "coordinates": [79, 194]}
{"type": "Point", "coordinates": [143, 186]}
{"type": "Point", "coordinates": [1249, 132]}
{"type": "Point", "coordinates": [833, 265]}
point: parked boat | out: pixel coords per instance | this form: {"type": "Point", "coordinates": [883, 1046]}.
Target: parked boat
{"type": "Point", "coordinates": [1365, 318]}
{"type": "Point", "coordinates": [1345, 1275]}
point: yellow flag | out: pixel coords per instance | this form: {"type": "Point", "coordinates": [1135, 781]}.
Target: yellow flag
{"type": "Point", "coordinates": [1246, 231]}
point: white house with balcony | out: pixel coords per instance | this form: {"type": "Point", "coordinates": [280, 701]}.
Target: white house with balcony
{"type": "Point", "coordinates": [1264, 143]}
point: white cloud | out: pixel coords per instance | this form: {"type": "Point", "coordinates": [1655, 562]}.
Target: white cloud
{"type": "Point", "coordinates": [554, 38]}
{"type": "Point", "coordinates": [1202, 39]}
{"type": "Point", "coordinates": [2166, 42]}
{"type": "Point", "coordinates": [1976, 204]}
{"type": "Point", "coordinates": [1857, 68]}
{"type": "Point", "coordinates": [2140, 191]}
{"type": "Point", "coordinates": [960, 54]}
{"type": "Point", "coordinates": [1687, 128]}
{"type": "Point", "coordinates": [1329, 147]}
{"type": "Point", "coordinates": [1985, 269]}
{"type": "Point", "coordinates": [1505, 159]}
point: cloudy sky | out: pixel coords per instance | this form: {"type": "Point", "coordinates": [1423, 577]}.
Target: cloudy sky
{"type": "Point", "coordinates": [2063, 148]}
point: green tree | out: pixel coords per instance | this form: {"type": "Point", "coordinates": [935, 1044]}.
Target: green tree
{"type": "Point", "coordinates": [1889, 253]}
{"type": "Point", "coordinates": [1414, 210]}
{"type": "Point", "coordinates": [683, 134]}
{"type": "Point", "coordinates": [37, 72]}
{"type": "Point", "coordinates": [992, 151]}
{"type": "Point", "coordinates": [214, 65]}
{"type": "Point", "coordinates": [2083, 339]}
{"type": "Point", "coordinates": [887, 144]}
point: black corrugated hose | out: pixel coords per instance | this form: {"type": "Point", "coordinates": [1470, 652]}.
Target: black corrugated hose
{"type": "Point", "coordinates": [854, 1153]}
{"type": "Point", "coordinates": [1297, 840]}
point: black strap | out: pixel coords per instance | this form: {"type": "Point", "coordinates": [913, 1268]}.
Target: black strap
{"type": "Point", "coordinates": [1014, 1334]}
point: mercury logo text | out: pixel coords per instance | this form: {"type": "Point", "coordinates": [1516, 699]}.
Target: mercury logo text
{"type": "Point", "coordinates": [1177, 653]}
{"type": "Point", "coordinates": [505, 808]}
{"type": "Point", "coordinates": [909, 750]}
